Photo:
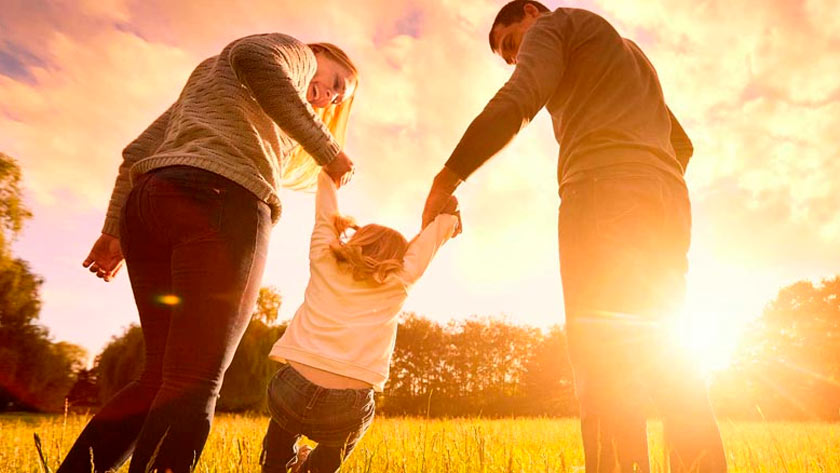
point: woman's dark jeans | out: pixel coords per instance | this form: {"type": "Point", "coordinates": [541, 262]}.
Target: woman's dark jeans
{"type": "Point", "coordinates": [195, 245]}
{"type": "Point", "coordinates": [335, 418]}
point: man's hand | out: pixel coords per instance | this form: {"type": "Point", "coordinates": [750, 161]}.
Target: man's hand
{"type": "Point", "coordinates": [105, 258]}
{"type": "Point", "coordinates": [340, 169]}
{"type": "Point", "coordinates": [440, 194]}
{"type": "Point", "coordinates": [451, 208]}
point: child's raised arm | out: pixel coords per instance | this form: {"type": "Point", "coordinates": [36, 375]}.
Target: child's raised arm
{"type": "Point", "coordinates": [326, 209]}
{"type": "Point", "coordinates": [424, 247]}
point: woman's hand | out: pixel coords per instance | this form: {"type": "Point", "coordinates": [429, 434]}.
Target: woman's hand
{"type": "Point", "coordinates": [340, 169]}
{"type": "Point", "coordinates": [105, 258]}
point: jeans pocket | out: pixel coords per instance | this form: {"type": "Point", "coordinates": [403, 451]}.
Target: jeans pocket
{"type": "Point", "coordinates": [187, 213]}
{"type": "Point", "coordinates": [628, 209]}
{"type": "Point", "coordinates": [126, 212]}
{"type": "Point", "coordinates": [367, 403]}
{"type": "Point", "coordinates": [281, 400]}
{"type": "Point", "coordinates": [569, 217]}
{"type": "Point", "coordinates": [343, 420]}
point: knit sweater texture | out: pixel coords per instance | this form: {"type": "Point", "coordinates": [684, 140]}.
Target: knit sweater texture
{"type": "Point", "coordinates": [603, 95]}
{"type": "Point", "coordinates": [241, 114]}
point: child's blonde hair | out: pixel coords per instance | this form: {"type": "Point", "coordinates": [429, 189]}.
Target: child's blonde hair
{"type": "Point", "coordinates": [372, 253]}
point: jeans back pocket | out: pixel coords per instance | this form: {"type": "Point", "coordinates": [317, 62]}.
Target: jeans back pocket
{"type": "Point", "coordinates": [187, 210]}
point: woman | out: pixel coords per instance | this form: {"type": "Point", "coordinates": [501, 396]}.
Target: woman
{"type": "Point", "coordinates": [191, 212]}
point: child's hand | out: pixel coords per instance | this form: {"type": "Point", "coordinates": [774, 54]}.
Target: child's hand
{"type": "Point", "coordinates": [451, 208]}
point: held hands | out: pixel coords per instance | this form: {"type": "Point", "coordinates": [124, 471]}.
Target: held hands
{"type": "Point", "coordinates": [451, 208]}
{"type": "Point", "coordinates": [105, 258]}
{"type": "Point", "coordinates": [340, 169]}
{"type": "Point", "coordinates": [440, 198]}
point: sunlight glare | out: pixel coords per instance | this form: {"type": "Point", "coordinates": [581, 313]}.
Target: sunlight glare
{"type": "Point", "coordinates": [711, 336]}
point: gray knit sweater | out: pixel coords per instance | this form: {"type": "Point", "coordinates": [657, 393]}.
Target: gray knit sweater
{"type": "Point", "coordinates": [240, 115]}
{"type": "Point", "coordinates": [603, 95]}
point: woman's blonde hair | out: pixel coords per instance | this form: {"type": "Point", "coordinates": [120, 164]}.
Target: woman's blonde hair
{"type": "Point", "coordinates": [300, 171]}
{"type": "Point", "coordinates": [372, 253]}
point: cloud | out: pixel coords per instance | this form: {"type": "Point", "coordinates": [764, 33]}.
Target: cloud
{"type": "Point", "coordinates": [754, 83]}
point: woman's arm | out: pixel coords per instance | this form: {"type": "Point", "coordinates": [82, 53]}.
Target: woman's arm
{"type": "Point", "coordinates": [144, 146]}
{"type": "Point", "coordinates": [266, 64]}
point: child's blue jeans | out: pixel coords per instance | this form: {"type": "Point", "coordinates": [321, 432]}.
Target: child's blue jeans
{"type": "Point", "coordinates": [335, 418]}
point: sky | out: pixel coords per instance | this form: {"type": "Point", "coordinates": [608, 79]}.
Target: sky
{"type": "Point", "coordinates": [754, 82]}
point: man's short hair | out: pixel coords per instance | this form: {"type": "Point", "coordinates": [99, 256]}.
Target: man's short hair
{"type": "Point", "coordinates": [512, 13]}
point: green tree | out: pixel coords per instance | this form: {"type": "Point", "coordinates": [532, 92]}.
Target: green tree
{"type": "Point", "coordinates": [484, 366]}
{"type": "Point", "coordinates": [34, 372]}
{"type": "Point", "coordinates": [418, 374]}
{"type": "Point", "coordinates": [489, 356]}
{"type": "Point", "coordinates": [13, 212]}
{"type": "Point", "coordinates": [85, 391]}
{"type": "Point", "coordinates": [250, 370]}
{"type": "Point", "coordinates": [268, 305]}
{"type": "Point", "coordinates": [20, 302]}
{"type": "Point", "coordinates": [120, 362]}
{"type": "Point", "coordinates": [801, 352]}
{"type": "Point", "coordinates": [247, 377]}
{"type": "Point", "coordinates": [548, 381]}
{"type": "Point", "coordinates": [788, 363]}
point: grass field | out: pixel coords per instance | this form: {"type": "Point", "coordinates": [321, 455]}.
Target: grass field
{"type": "Point", "coordinates": [458, 445]}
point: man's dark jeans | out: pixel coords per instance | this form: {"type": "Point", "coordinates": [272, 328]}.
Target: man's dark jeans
{"type": "Point", "coordinates": [624, 233]}
{"type": "Point", "coordinates": [195, 245]}
{"type": "Point", "coordinates": [335, 418]}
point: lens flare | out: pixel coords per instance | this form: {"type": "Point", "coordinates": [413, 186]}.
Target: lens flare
{"type": "Point", "coordinates": [169, 299]}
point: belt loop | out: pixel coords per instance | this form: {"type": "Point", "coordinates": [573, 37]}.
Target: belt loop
{"type": "Point", "coordinates": [314, 398]}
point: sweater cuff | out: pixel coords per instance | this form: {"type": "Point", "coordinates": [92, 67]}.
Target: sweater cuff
{"type": "Point", "coordinates": [111, 227]}
{"type": "Point", "coordinates": [461, 166]}
{"type": "Point", "coordinates": [327, 153]}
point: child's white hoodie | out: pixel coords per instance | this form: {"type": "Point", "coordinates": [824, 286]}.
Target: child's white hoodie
{"type": "Point", "coordinates": [349, 327]}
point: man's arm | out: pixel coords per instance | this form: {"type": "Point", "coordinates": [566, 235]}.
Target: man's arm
{"type": "Point", "coordinates": [539, 68]}
{"type": "Point", "coordinates": [263, 65]}
{"type": "Point", "coordinates": [680, 141]}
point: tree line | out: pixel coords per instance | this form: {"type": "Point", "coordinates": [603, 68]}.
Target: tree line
{"type": "Point", "coordinates": [787, 365]}
{"type": "Point", "coordinates": [35, 372]}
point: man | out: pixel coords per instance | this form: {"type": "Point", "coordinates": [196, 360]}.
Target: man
{"type": "Point", "coordinates": [624, 226]}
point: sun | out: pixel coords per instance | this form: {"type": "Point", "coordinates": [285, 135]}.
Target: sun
{"type": "Point", "coordinates": [719, 307]}
{"type": "Point", "coordinates": [711, 337]}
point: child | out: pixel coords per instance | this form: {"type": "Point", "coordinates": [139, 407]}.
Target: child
{"type": "Point", "coordinates": [338, 346]}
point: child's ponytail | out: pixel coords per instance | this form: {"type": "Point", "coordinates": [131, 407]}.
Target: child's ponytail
{"type": "Point", "coordinates": [343, 223]}
{"type": "Point", "coordinates": [372, 253]}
